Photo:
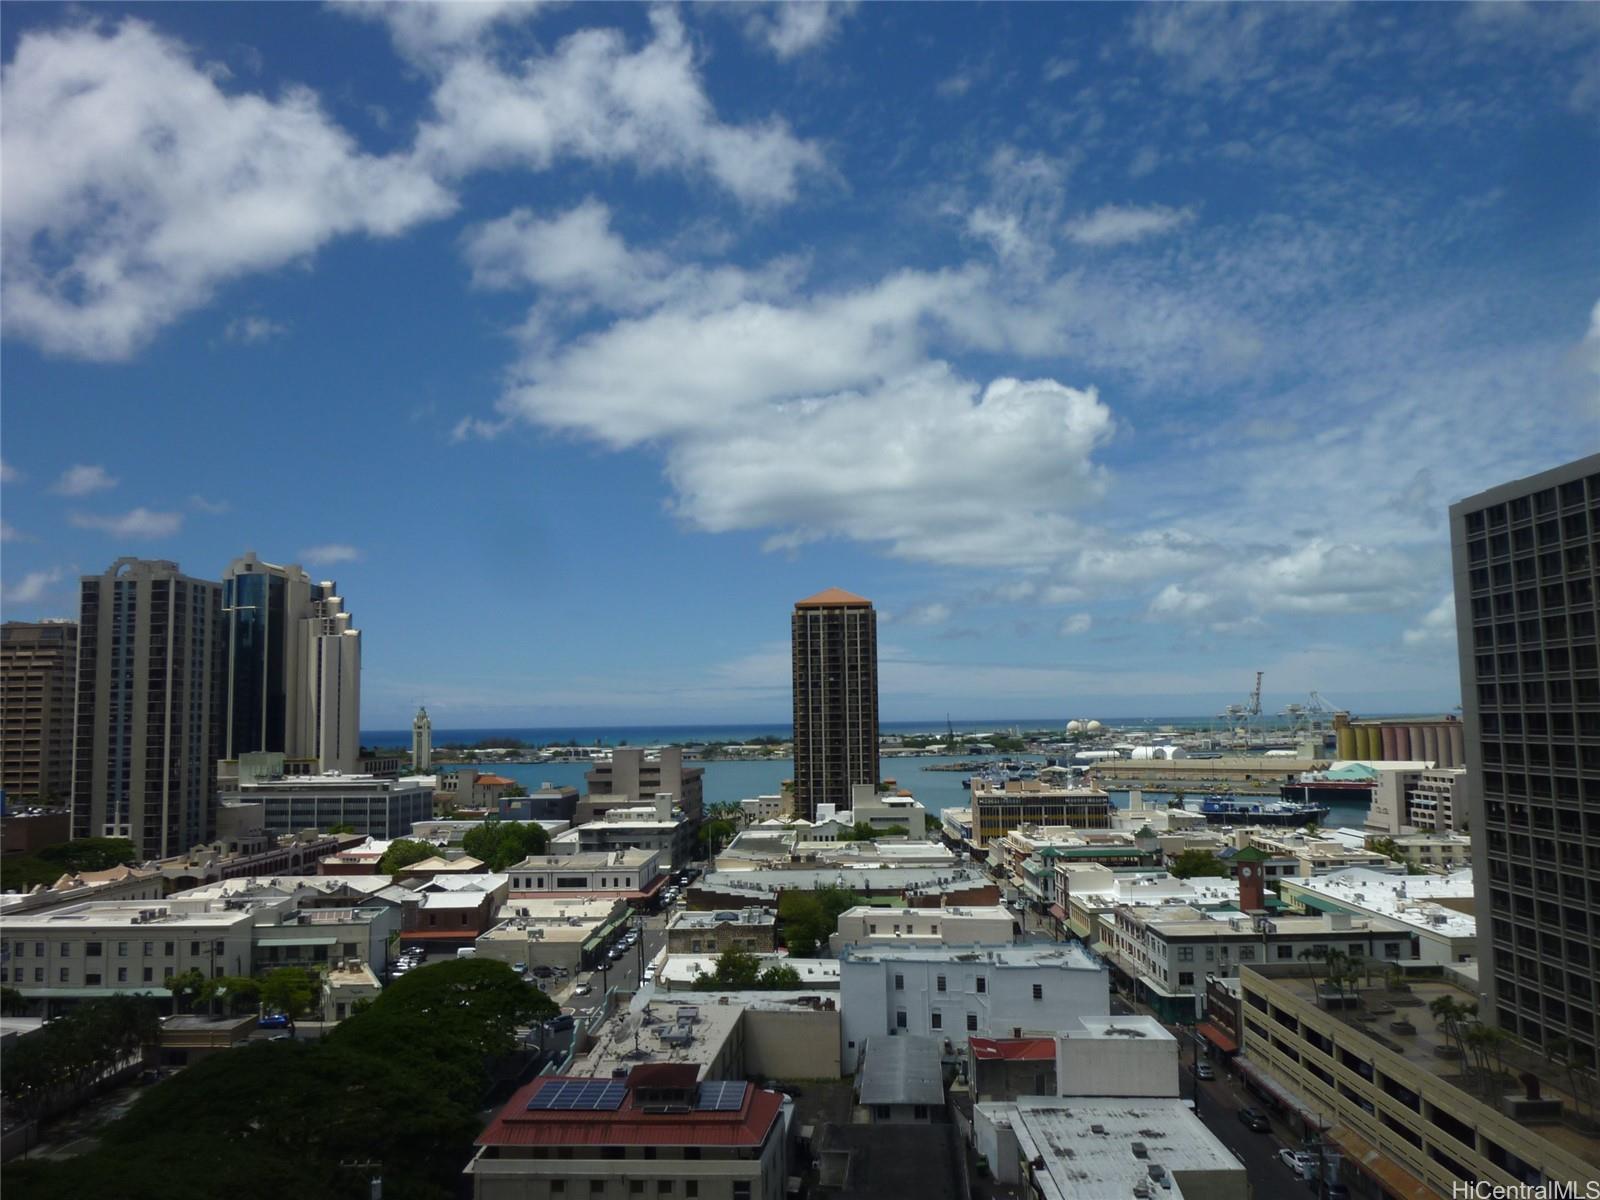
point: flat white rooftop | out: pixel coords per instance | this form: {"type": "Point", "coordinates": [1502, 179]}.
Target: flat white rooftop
{"type": "Point", "coordinates": [1412, 900]}
{"type": "Point", "coordinates": [1096, 1148]}
{"type": "Point", "coordinates": [1067, 955]}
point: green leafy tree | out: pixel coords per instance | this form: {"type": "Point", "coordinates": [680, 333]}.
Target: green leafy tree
{"type": "Point", "coordinates": [49, 863]}
{"type": "Point", "coordinates": [716, 833]}
{"type": "Point", "coordinates": [735, 969]}
{"type": "Point", "coordinates": [514, 791]}
{"type": "Point", "coordinates": [344, 827]}
{"type": "Point", "coordinates": [185, 987]}
{"type": "Point", "coordinates": [11, 1001]}
{"type": "Point", "coordinates": [231, 993]}
{"type": "Point", "coordinates": [402, 853]}
{"type": "Point", "coordinates": [1192, 863]}
{"type": "Point", "coordinates": [289, 990]}
{"type": "Point", "coordinates": [810, 917]}
{"type": "Point", "coordinates": [502, 844]}
{"type": "Point", "coordinates": [778, 977]}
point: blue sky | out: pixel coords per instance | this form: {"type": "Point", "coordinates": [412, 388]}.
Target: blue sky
{"type": "Point", "coordinates": [1114, 352]}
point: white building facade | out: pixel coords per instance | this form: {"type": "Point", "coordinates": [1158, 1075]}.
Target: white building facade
{"type": "Point", "coordinates": [951, 994]}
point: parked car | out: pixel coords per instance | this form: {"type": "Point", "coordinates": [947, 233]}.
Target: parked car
{"type": "Point", "coordinates": [1204, 1071]}
{"type": "Point", "coordinates": [519, 968]}
{"type": "Point", "coordinates": [582, 989]}
{"type": "Point", "coordinates": [560, 1023]}
{"type": "Point", "coordinates": [1252, 1118]}
{"type": "Point", "coordinates": [1298, 1161]}
{"type": "Point", "coordinates": [543, 972]}
{"type": "Point", "coordinates": [272, 1021]}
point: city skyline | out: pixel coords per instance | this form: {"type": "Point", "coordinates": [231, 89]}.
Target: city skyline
{"type": "Point", "coordinates": [1132, 349]}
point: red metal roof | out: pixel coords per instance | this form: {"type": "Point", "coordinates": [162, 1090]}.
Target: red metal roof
{"type": "Point", "coordinates": [630, 1125]}
{"type": "Point", "coordinates": [664, 1075]}
{"type": "Point", "coordinates": [494, 780]}
{"type": "Point", "coordinates": [1216, 1037]}
{"type": "Point", "coordinates": [1014, 1049]}
{"type": "Point", "coordinates": [834, 598]}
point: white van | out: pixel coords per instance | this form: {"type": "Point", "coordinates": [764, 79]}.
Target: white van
{"type": "Point", "coordinates": [466, 952]}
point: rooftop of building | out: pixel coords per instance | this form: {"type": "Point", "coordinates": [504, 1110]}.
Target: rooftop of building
{"type": "Point", "coordinates": [968, 912]}
{"type": "Point", "coordinates": [152, 914]}
{"type": "Point", "coordinates": [834, 598]}
{"type": "Point", "coordinates": [1066, 955]}
{"type": "Point", "coordinates": [1430, 1050]}
{"type": "Point", "coordinates": [333, 781]}
{"type": "Point", "coordinates": [436, 865]}
{"type": "Point", "coordinates": [557, 1110]}
{"type": "Point", "coordinates": [680, 1028]}
{"type": "Point", "coordinates": [901, 1070]}
{"type": "Point", "coordinates": [1436, 904]}
{"type": "Point", "coordinates": [1118, 1028]}
{"type": "Point", "coordinates": [587, 860]}
{"type": "Point", "coordinates": [1088, 1149]}
{"type": "Point", "coordinates": [541, 910]}
{"type": "Point", "coordinates": [286, 885]}
{"type": "Point", "coordinates": [690, 919]}
{"type": "Point", "coordinates": [439, 901]}
{"type": "Point", "coordinates": [1154, 888]}
{"type": "Point", "coordinates": [770, 880]}
{"type": "Point", "coordinates": [682, 970]}
{"type": "Point", "coordinates": [1034, 789]}
{"type": "Point", "coordinates": [475, 881]}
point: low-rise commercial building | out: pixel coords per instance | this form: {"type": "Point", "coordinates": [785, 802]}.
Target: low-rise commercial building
{"type": "Point", "coordinates": [1072, 1148]}
{"type": "Point", "coordinates": [1089, 892]}
{"type": "Point", "coordinates": [634, 874]}
{"type": "Point", "coordinates": [114, 883]}
{"type": "Point", "coordinates": [722, 1035]}
{"type": "Point", "coordinates": [91, 950]}
{"type": "Point", "coordinates": [952, 925]}
{"type": "Point", "coordinates": [1436, 909]}
{"type": "Point", "coordinates": [1442, 852]}
{"type": "Point", "coordinates": [999, 808]}
{"type": "Point", "coordinates": [923, 887]}
{"type": "Point", "coordinates": [565, 933]}
{"type": "Point", "coordinates": [1390, 1086]}
{"type": "Point", "coordinates": [346, 985]}
{"type": "Point", "coordinates": [901, 1079]}
{"type": "Point", "coordinates": [658, 1131]}
{"type": "Point", "coordinates": [693, 972]}
{"type": "Point", "coordinates": [632, 775]}
{"type": "Point", "coordinates": [371, 805]}
{"type": "Point", "coordinates": [752, 928]}
{"type": "Point", "coordinates": [653, 826]}
{"type": "Point", "coordinates": [1163, 955]}
{"type": "Point", "coordinates": [887, 810]}
{"type": "Point", "coordinates": [950, 993]}
{"type": "Point", "coordinates": [449, 920]}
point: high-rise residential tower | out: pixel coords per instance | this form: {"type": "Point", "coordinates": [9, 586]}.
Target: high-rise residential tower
{"type": "Point", "coordinates": [294, 668]}
{"type": "Point", "coordinates": [151, 671]}
{"type": "Point", "coordinates": [835, 662]}
{"type": "Point", "coordinates": [1525, 557]}
{"type": "Point", "coordinates": [421, 741]}
{"type": "Point", "coordinates": [38, 668]}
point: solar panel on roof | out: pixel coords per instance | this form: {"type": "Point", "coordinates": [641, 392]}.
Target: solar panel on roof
{"type": "Point", "coordinates": [589, 1095]}
{"type": "Point", "coordinates": [721, 1095]}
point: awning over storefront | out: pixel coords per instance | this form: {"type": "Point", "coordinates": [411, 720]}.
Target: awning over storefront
{"type": "Point", "coordinates": [1058, 912]}
{"type": "Point", "coordinates": [88, 993]}
{"type": "Point", "coordinates": [1368, 1159]}
{"type": "Point", "coordinates": [1217, 1038]}
{"type": "Point", "coordinates": [1281, 1093]}
{"type": "Point", "coordinates": [300, 940]}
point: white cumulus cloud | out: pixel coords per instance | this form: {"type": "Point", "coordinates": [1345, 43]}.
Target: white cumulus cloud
{"type": "Point", "coordinates": [1437, 626]}
{"type": "Point", "coordinates": [253, 329]}
{"type": "Point", "coordinates": [596, 99]}
{"type": "Point", "coordinates": [1076, 624]}
{"type": "Point", "coordinates": [135, 523]}
{"type": "Point", "coordinates": [9, 474]}
{"type": "Point", "coordinates": [135, 185]}
{"type": "Point", "coordinates": [791, 28]}
{"type": "Point", "coordinates": [82, 479]}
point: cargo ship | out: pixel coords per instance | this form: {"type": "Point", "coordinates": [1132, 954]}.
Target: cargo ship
{"type": "Point", "coordinates": [1234, 810]}
{"type": "Point", "coordinates": [1352, 786]}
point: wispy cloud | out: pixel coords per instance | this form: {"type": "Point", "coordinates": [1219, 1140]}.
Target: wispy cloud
{"type": "Point", "coordinates": [252, 329]}
{"type": "Point", "coordinates": [82, 479]}
{"type": "Point", "coordinates": [214, 508]}
{"type": "Point", "coordinates": [136, 523]}
{"type": "Point", "coordinates": [1113, 225]}
{"type": "Point", "coordinates": [34, 587]}
{"type": "Point", "coordinates": [1076, 624]}
{"type": "Point", "coordinates": [9, 474]}
{"type": "Point", "coordinates": [329, 553]}
{"type": "Point", "coordinates": [10, 533]}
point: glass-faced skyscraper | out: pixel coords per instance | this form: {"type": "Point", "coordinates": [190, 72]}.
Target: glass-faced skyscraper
{"type": "Point", "coordinates": [835, 663]}
{"type": "Point", "coordinates": [294, 667]}
{"type": "Point", "coordinates": [1524, 558]}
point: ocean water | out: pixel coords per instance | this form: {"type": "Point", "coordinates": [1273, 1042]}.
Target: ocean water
{"type": "Point", "coordinates": [730, 782]}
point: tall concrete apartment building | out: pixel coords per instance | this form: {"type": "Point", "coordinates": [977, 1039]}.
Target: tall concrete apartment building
{"type": "Point", "coordinates": [634, 778]}
{"type": "Point", "coordinates": [149, 711]}
{"type": "Point", "coordinates": [38, 666]}
{"type": "Point", "coordinates": [294, 668]}
{"type": "Point", "coordinates": [1525, 557]}
{"type": "Point", "coordinates": [835, 663]}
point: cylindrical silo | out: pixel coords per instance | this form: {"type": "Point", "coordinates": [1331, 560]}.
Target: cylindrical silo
{"type": "Point", "coordinates": [1458, 757]}
{"type": "Point", "coordinates": [1417, 747]}
{"type": "Point", "coordinates": [1391, 741]}
{"type": "Point", "coordinates": [1347, 742]}
{"type": "Point", "coordinates": [1430, 743]}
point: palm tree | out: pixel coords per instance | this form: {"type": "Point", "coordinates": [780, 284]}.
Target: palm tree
{"type": "Point", "coordinates": [1450, 1016]}
{"type": "Point", "coordinates": [1309, 956]}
